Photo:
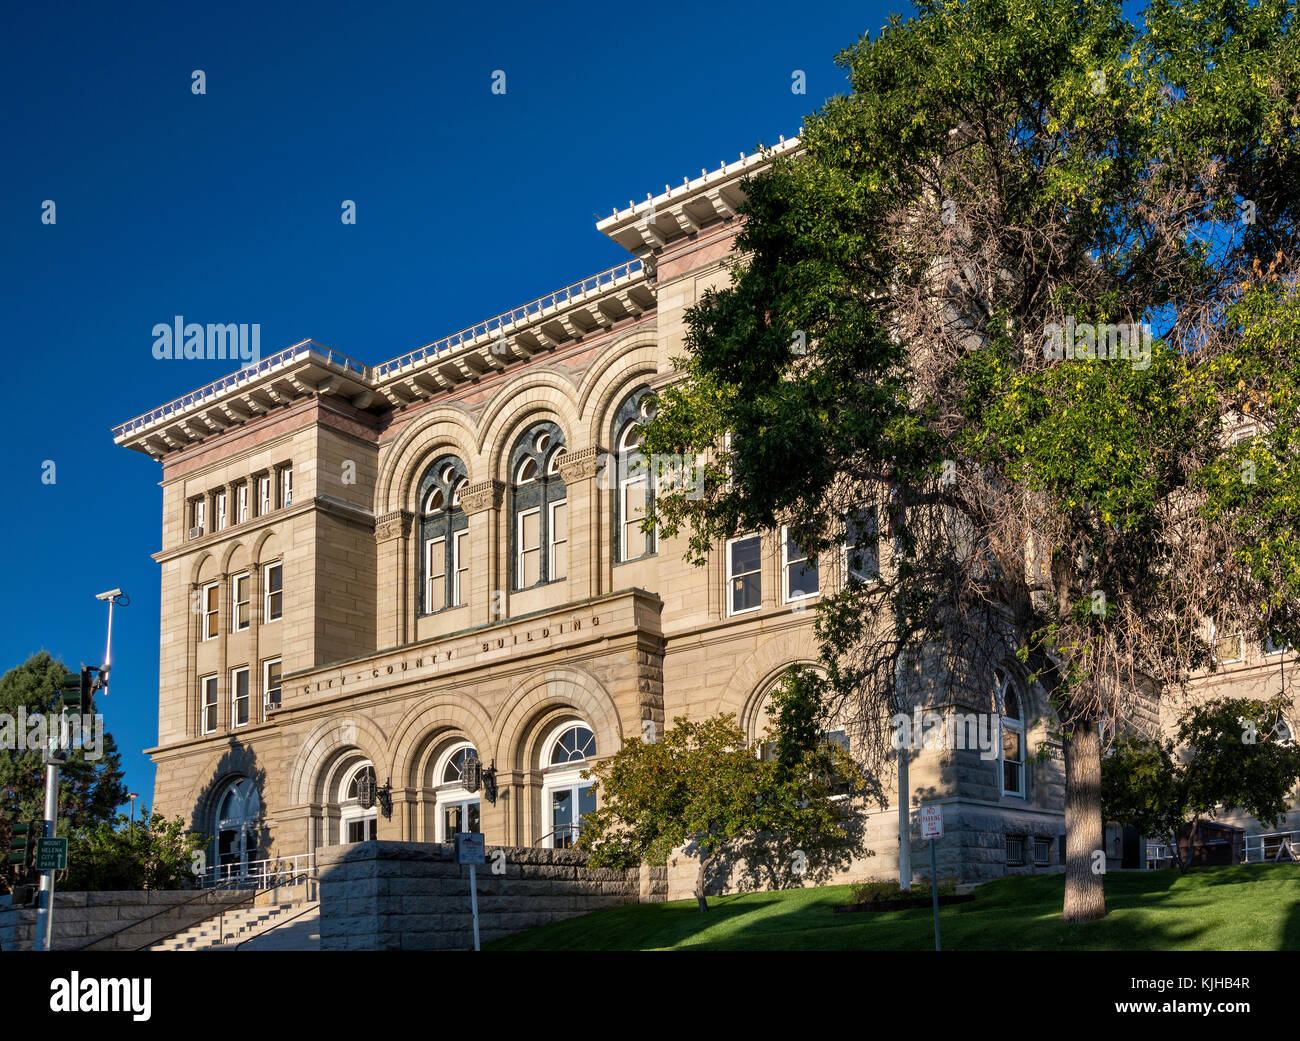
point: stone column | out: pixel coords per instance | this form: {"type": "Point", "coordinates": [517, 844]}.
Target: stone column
{"type": "Point", "coordinates": [579, 472]}
{"type": "Point", "coordinates": [395, 563]}
{"type": "Point", "coordinates": [193, 722]}
{"type": "Point", "coordinates": [487, 577]}
{"type": "Point", "coordinates": [225, 718]}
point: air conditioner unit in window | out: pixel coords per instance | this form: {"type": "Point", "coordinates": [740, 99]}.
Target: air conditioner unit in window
{"type": "Point", "coordinates": [196, 531]}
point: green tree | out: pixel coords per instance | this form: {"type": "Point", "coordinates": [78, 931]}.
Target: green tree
{"type": "Point", "coordinates": [1230, 754]}
{"type": "Point", "coordinates": [703, 787]}
{"type": "Point", "coordinates": [1002, 172]}
{"type": "Point", "coordinates": [151, 853]}
{"type": "Point", "coordinates": [90, 787]}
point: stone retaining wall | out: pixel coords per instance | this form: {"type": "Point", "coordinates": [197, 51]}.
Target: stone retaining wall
{"type": "Point", "coordinates": [113, 920]}
{"type": "Point", "coordinates": [413, 896]}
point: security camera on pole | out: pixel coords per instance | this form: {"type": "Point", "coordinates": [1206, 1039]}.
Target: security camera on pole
{"type": "Point", "coordinates": [75, 692]}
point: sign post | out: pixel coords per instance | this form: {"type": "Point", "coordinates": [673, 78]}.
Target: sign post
{"type": "Point", "coordinates": [470, 850]}
{"type": "Point", "coordinates": [932, 828]}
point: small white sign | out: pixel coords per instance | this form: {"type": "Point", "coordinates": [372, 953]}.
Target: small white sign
{"type": "Point", "coordinates": [931, 821]}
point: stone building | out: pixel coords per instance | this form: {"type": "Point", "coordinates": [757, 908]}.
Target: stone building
{"type": "Point", "coordinates": [374, 575]}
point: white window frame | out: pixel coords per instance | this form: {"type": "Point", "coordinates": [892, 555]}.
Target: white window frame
{"type": "Point", "coordinates": [349, 811]}
{"type": "Point", "coordinates": [219, 512]}
{"type": "Point", "coordinates": [206, 703]}
{"type": "Point", "coordinates": [731, 576]}
{"type": "Point", "coordinates": [267, 592]}
{"type": "Point", "coordinates": [1215, 637]}
{"type": "Point", "coordinates": [205, 633]}
{"type": "Point", "coordinates": [460, 563]}
{"type": "Point", "coordinates": [563, 776]}
{"type": "Point", "coordinates": [235, 602]}
{"type": "Point", "coordinates": [551, 576]}
{"type": "Point", "coordinates": [848, 569]}
{"type": "Point", "coordinates": [449, 794]}
{"type": "Point", "coordinates": [625, 512]}
{"type": "Point", "coordinates": [286, 486]}
{"type": "Point", "coordinates": [241, 503]}
{"type": "Point", "coordinates": [263, 495]}
{"type": "Point", "coordinates": [200, 517]}
{"type": "Point", "coordinates": [519, 546]}
{"type": "Point", "coordinates": [786, 561]}
{"type": "Point", "coordinates": [1016, 726]}
{"type": "Point", "coordinates": [235, 698]}
{"type": "Point", "coordinates": [441, 543]}
{"type": "Point", "coordinates": [266, 683]}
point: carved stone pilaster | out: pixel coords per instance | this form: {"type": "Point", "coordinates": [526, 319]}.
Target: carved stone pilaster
{"type": "Point", "coordinates": [582, 465]}
{"type": "Point", "coordinates": [393, 525]}
{"type": "Point", "coordinates": [485, 495]}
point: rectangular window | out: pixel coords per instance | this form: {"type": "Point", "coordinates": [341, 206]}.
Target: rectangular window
{"type": "Point", "coordinates": [744, 581]}
{"type": "Point", "coordinates": [1013, 760]}
{"type": "Point", "coordinates": [1015, 850]}
{"type": "Point", "coordinates": [559, 560]}
{"type": "Point", "coordinates": [1229, 642]}
{"type": "Point", "coordinates": [263, 495]}
{"type": "Point", "coordinates": [635, 542]}
{"type": "Point", "coordinates": [241, 591]}
{"type": "Point", "coordinates": [286, 486]}
{"type": "Point", "coordinates": [241, 503]}
{"type": "Point", "coordinates": [273, 600]}
{"type": "Point", "coordinates": [210, 599]}
{"type": "Point", "coordinates": [219, 511]}
{"type": "Point", "coordinates": [530, 548]}
{"type": "Point", "coordinates": [271, 683]}
{"type": "Point", "coordinates": [1042, 852]}
{"type": "Point", "coordinates": [862, 549]}
{"type": "Point", "coordinates": [800, 578]}
{"type": "Point", "coordinates": [208, 704]}
{"type": "Point", "coordinates": [435, 570]}
{"type": "Point", "coordinates": [239, 696]}
{"type": "Point", "coordinates": [460, 560]}
{"type": "Point", "coordinates": [198, 517]}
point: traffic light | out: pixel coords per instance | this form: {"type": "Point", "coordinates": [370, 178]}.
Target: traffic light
{"type": "Point", "coordinates": [75, 692]}
{"type": "Point", "coordinates": [22, 846]}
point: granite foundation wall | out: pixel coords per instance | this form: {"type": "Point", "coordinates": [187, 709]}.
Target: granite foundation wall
{"type": "Point", "coordinates": [414, 896]}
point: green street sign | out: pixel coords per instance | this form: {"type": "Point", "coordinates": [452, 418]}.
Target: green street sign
{"type": "Point", "coordinates": [51, 854]}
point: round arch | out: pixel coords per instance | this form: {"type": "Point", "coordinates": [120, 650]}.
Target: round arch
{"type": "Point", "coordinates": [540, 701]}
{"type": "Point", "coordinates": [323, 747]}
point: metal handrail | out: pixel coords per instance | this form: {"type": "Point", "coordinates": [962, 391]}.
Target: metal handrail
{"type": "Point", "coordinates": [1259, 849]}
{"type": "Point", "coordinates": [508, 318]}
{"type": "Point", "coordinates": [257, 875]}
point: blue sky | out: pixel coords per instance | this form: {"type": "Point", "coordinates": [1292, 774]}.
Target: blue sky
{"type": "Point", "coordinates": [225, 207]}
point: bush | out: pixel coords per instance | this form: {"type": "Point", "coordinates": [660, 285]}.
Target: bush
{"type": "Point", "coordinates": [152, 853]}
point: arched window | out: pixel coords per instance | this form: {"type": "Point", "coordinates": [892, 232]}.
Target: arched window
{"type": "Point", "coordinates": [634, 490]}
{"type": "Point", "coordinates": [566, 796]}
{"type": "Point", "coordinates": [1012, 726]}
{"type": "Point", "coordinates": [539, 530]}
{"type": "Point", "coordinates": [458, 807]}
{"type": "Point", "coordinates": [239, 812]}
{"type": "Point", "coordinates": [358, 818]}
{"type": "Point", "coordinates": [444, 536]}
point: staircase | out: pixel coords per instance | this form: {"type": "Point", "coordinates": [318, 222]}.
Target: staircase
{"type": "Point", "coordinates": [228, 930]}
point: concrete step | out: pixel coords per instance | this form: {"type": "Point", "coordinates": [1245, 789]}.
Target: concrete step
{"type": "Point", "coordinates": [226, 930]}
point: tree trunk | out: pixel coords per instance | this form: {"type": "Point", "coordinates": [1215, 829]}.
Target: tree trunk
{"type": "Point", "coordinates": [1085, 893]}
{"type": "Point", "coordinates": [699, 883]}
{"type": "Point", "coordinates": [1185, 863]}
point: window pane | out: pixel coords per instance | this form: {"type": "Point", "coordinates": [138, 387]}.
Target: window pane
{"type": "Point", "coordinates": [634, 510]}
{"type": "Point", "coordinates": [436, 569]}
{"type": "Point", "coordinates": [530, 530]}
{"type": "Point", "coordinates": [559, 541]}
{"type": "Point", "coordinates": [746, 592]}
{"type": "Point", "coordinates": [745, 556]}
{"type": "Point", "coordinates": [462, 566]}
{"type": "Point", "coordinates": [473, 816]}
{"type": "Point", "coordinates": [562, 816]}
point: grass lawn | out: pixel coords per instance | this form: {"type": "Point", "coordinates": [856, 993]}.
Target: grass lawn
{"type": "Point", "coordinates": [1240, 908]}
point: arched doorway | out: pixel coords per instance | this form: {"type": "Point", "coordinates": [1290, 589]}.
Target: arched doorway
{"type": "Point", "coordinates": [239, 814]}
